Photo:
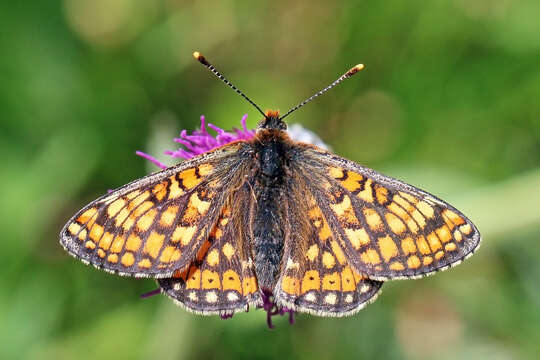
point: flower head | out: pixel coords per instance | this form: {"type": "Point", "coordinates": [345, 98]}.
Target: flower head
{"type": "Point", "coordinates": [201, 141]}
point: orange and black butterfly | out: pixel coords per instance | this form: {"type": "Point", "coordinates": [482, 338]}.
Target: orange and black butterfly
{"type": "Point", "coordinates": [270, 218]}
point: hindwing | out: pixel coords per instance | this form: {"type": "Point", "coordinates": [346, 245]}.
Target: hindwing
{"type": "Point", "coordinates": [221, 278]}
{"type": "Point", "coordinates": [316, 277]}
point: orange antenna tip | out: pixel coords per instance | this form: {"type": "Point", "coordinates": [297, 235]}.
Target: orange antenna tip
{"type": "Point", "coordinates": [197, 55]}
{"type": "Point", "coordinates": [355, 69]}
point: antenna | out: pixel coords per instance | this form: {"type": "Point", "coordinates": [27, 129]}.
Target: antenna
{"type": "Point", "coordinates": [197, 55]}
{"type": "Point", "coordinates": [347, 75]}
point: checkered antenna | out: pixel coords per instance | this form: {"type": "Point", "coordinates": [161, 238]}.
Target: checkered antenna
{"type": "Point", "coordinates": [197, 55]}
{"type": "Point", "coordinates": [347, 75]}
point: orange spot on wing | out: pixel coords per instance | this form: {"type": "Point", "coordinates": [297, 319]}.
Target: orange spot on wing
{"type": "Point", "coordinates": [345, 211]}
{"type": "Point", "coordinates": [427, 260]}
{"type": "Point", "coordinates": [228, 250]}
{"type": "Point", "coordinates": [146, 220]}
{"type": "Point", "coordinates": [118, 244]}
{"type": "Point", "coordinates": [347, 279]}
{"type": "Point", "coordinates": [128, 259]}
{"type": "Point", "coordinates": [115, 207]}
{"type": "Point", "coordinates": [153, 244]}
{"type": "Point", "coordinates": [331, 281]}
{"type": "Point", "coordinates": [367, 193]}
{"type": "Point", "coordinates": [466, 229]}
{"type": "Point", "coordinates": [113, 258]}
{"type": "Point", "coordinates": [133, 242]}
{"type": "Point", "coordinates": [371, 257]}
{"type": "Point", "coordinates": [183, 234]}
{"type": "Point", "coordinates": [249, 284]}
{"type": "Point", "coordinates": [335, 172]}
{"type": "Point", "coordinates": [290, 285]}
{"type": "Point", "coordinates": [352, 181]}
{"type": "Point", "coordinates": [193, 279]}
{"type": "Point", "coordinates": [407, 206]}
{"type": "Point", "coordinates": [453, 217]}
{"type": "Point", "coordinates": [409, 197]}
{"type": "Point", "coordinates": [387, 247]}
{"type": "Point", "coordinates": [175, 191]}
{"type": "Point", "coordinates": [86, 216]}
{"type": "Point", "coordinates": [106, 240]}
{"type": "Point", "coordinates": [450, 247]}
{"type": "Point", "coordinates": [144, 263]}
{"type": "Point", "coordinates": [231, 281]}
{"type": "Point", "coordinates": [413, 262]}
{"type": "Point", "coordinates": [216, 232]}
{"type": "Point", "coordinates": [381, 193]}
{"type": "Point", "coordinates": [74, 228]}
{"type": "Point", "coordinates": [95, 232]}
{"type": "Point", "coordinates": [90, 245]}
{"type": "Point", "coordinates": [399, 211]}
{"type": "Point", "coordinates": [210, 280]}
{"type": "Point", "coordinates": [311, 281]}
{"type": "Point", "coordinates": [189, 179]}
{"type": "Point", "coordinates": [396, 266]}
{"type": "Point", "coordinates": [168, 216]}
{"type": "Point", "coordinates": [336, 249]}
{"type": "Point", "coordinates": [160, 190]}
{"type": "Point", "coordinates": [137, 200]}
{"type": "Point", "coordinates": [195, 209]}
{"type": "Point", "coordinates": [325, 232]}
{"type": "Point", "coordinates": [213, 257]}
{"type": "Point", "coordinates": [121, 216]}
{"type": "Point", "coordinates": [205, 169]}
{"type": "Point", "coordinates": [357, 237]}
{"type": "Point", "coordinates": [444, 234]}
{"type": "Point", "coordinates": [422, 245]}
{"type": "Point", "coordinates": [434, 242]}
{"type": "Point", "coordinates": [328, 260]}
{"type": "Point", "coordinates": [426, 209]}
{"type": "Point", "coordinates": [82, 234]}
{"type": "Point", "coordinates": [312, 252]}
{"type": "Point", "coordinates": [170, 254]}
{"type": "Point", "coordinates": [408, 246]}
{"type": "Point", "coordinates": [373, 219]}
{"type": "Point", "coordinates": [395, 223]}
{"type": "Point", "coordinates": [419, 218]}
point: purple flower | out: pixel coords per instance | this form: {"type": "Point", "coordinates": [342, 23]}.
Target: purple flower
{"type": "Point", "coordinates": [201, 141]}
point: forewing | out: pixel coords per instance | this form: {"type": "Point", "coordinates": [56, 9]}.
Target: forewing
{"type": "Point", "coordinates": [388, 229]}
{"type": "Point", "coordinates": [221, 279]}
{"type": "Point", "coordinates": [316, 276]}
{"type": "Point", "coordinates": [155, 225]}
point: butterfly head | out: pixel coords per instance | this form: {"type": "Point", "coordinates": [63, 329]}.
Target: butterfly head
{"type": "Point", "coordinates": [272, 120]}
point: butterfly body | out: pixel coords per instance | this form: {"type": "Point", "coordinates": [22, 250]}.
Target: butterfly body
{"type": "Point", "coordinates": [272, 148]}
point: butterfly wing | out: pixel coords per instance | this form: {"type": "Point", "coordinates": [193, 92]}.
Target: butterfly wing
{"type": "Point", "coordinates": [387, 229]}
{"type": "Point", "coordinates": [316, 277]}
{"type": "Point", "coordinates": [156, 225]}
{"type": "Point", "coordinates": [221, 279]}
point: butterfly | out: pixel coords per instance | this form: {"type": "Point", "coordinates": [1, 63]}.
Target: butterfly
{"type": "Point", "coordinates": [270, 217]}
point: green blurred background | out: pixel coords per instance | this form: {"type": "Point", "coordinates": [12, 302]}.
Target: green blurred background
{"type": "Point", "coordinates": [449, 101]}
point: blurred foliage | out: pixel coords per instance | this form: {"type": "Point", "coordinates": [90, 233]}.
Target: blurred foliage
{"type": "Point", "coordinates": [448, 102]}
